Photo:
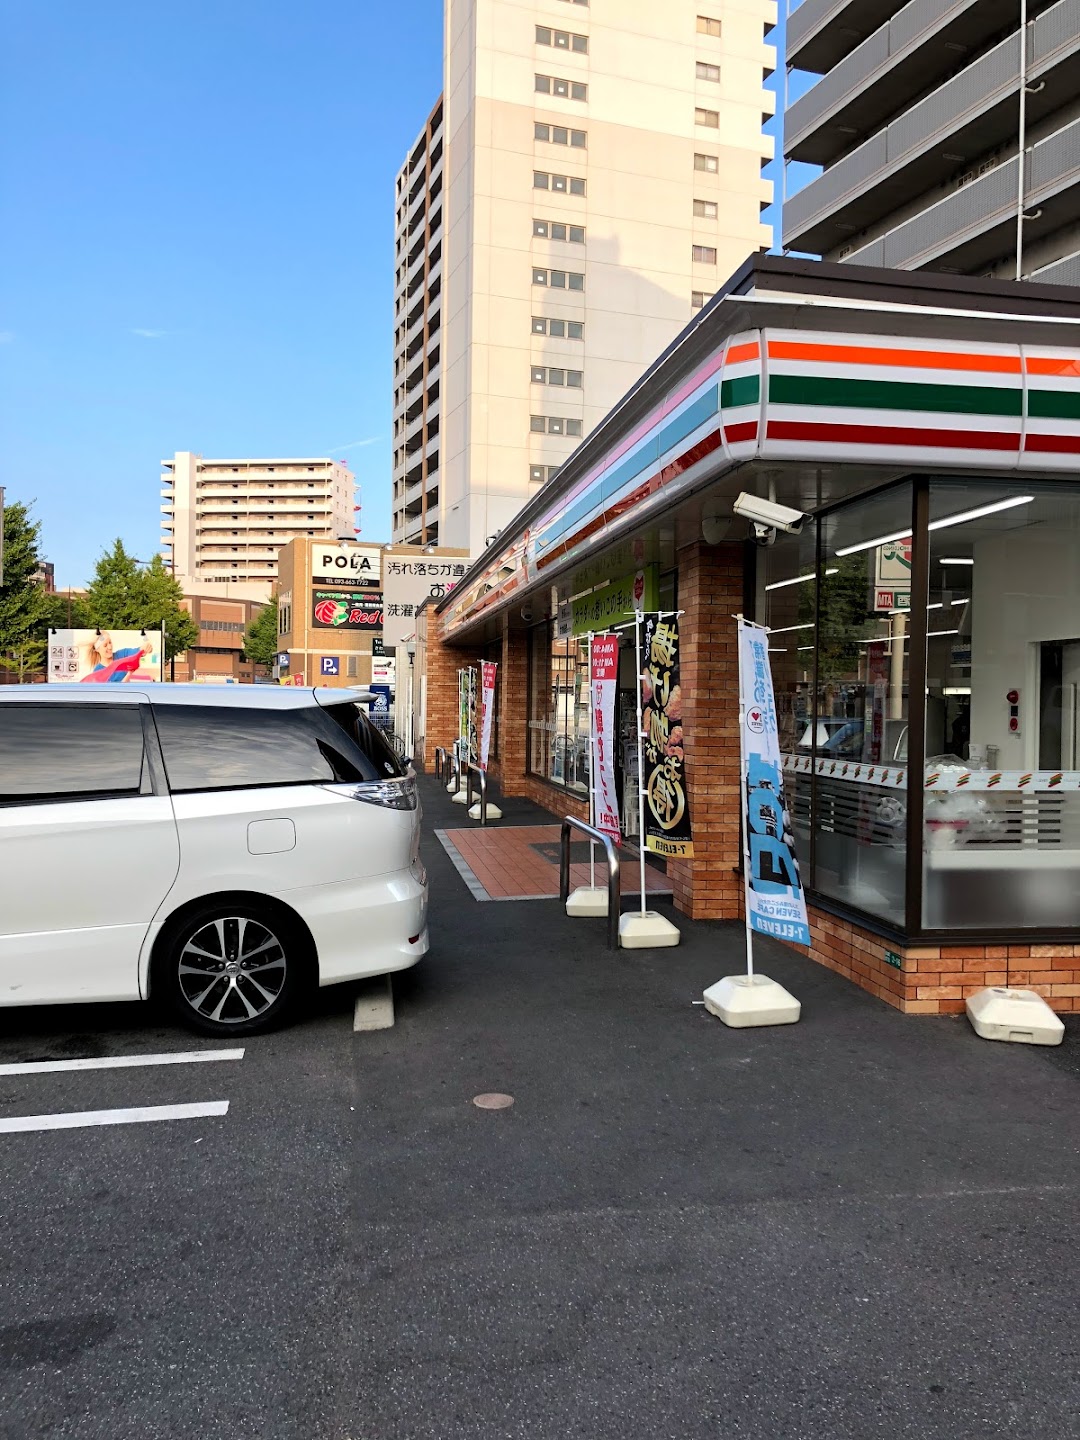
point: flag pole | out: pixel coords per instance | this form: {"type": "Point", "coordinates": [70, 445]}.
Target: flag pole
{"type": "Point", "coordinates": [592, 769]}
{"type": "Point", "coordinates": [640, 758]}
{"type": "Point", "coordinates": [744, 818]}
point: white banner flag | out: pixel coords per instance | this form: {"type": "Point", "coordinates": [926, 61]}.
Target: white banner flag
{"type": "Point", "coordinates": [487, 709]}
{"type": "Point", "coordinates": [604, 666]}
{"type": "Point", "coordinates": [775, 903]}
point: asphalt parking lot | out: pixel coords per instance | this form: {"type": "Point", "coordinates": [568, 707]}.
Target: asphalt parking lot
{"type": "Point", "coordinates": [864, 1225]}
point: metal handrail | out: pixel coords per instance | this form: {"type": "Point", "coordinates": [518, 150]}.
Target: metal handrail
{"type": "Point", "coordinates": [440, 762]}
{"type": "Point", "coordinates": [454, 770]}
{"type": "Point", "coordinates": [614, 883]}
{"type": "Point", "coordinates": [475, 769]}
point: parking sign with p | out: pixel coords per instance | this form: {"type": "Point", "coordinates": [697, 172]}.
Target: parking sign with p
{"type": "Point", "coordinates": [329, 665]}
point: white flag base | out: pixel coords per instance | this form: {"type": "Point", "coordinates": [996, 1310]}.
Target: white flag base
{"type": "Point", "coordinates": [648, 931]}
{"type": "Point", "coordinates": [460, 798]}
{"type": "Point", "coordinates": [587, 900]}
{"type": "Point", "coordinates": [744, 1000]}
{"type": "Point", "coordinates": [452, 786]}
{"type": "Point", "coordinates": [493, 811]}
{"type": "Point", "coordinates": [1021, 1016]}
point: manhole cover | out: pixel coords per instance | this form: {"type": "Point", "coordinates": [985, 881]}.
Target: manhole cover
{"type": "Point", "coordinates": [493, 1101]}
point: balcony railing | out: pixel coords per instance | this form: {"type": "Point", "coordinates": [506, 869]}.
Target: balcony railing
{"type": "Point", "coordinates": [859, 82]}
{"type": "Point", "coordinates": [920, 134]}
{"type": "Point", "coordinates": [1053, 165]}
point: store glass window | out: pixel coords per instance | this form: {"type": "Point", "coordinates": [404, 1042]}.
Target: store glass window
{"type": "Point", "coordinates": [858, 736]}
{"type": "Point", "coordinates": [1001, 797]}
{"type": "Point", "coordinates": [787, 577]}
{"type": "Point", "coordinates": [559, 709]}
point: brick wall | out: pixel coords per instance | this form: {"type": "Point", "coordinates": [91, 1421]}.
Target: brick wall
{"type": "Point", "coordinates": [937, 979]}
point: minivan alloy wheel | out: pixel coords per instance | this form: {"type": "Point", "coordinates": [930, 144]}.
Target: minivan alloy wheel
{"type": "Point", "coordinates": [232, 969]}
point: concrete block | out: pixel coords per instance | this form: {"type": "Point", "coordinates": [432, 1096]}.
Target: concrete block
{"type": "Point", "coordinates": [374, 1004]}
{"type": "Point", "coordinates": [648, 931]}
{"type": "Point", "coordinates": [493, 811]}
{"type": "Point", "coordinates": [460, 798]}
{"type": "Point", "coordinates": [744, 1000]}
{"type": "Point", "coordinates": [999, 1013]}
{"type": "Point", "coordinates": [587, 900]}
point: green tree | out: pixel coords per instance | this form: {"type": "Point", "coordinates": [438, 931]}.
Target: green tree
{"type": "Point", "coordinates": [62, 611]}
{"type": "Point", "coordinates": [22, 602]}
{"type": "Point", "coordinates": [25, 660]}
{"type": "Point", "coordinates": [261, 638]}
{"type": "Point", "coordinates": [124, 595]}
{"type": "Point", "coordinates": [165, 610]}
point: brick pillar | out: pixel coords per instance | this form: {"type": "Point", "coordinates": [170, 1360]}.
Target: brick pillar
{"type": "Point", "coordinates": [710, 594]}
{"type": "Point", "coordinates": [512, 704]}
{"type": "Point", "coordinates": [443, 663]}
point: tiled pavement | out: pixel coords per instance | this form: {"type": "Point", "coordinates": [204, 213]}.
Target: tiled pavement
{"type": "Point", "coordinates": [521, 862]}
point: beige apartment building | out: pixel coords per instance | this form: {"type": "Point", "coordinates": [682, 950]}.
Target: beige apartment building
{"type": "Point", "coordinates": [591, 175]}
{"type": "Point", "coordinates": [224, 521]}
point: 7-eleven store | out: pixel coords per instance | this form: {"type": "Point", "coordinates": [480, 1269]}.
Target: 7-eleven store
{"type": "Point", "coordinates": [925, 623]}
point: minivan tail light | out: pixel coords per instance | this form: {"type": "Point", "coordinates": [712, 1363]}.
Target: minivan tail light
{"type": "Point", "coordinates": [398, 793]}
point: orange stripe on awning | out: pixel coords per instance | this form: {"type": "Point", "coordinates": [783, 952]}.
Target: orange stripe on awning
{"type": "Point", "coordinates": [1052, 365]}
{"type": "Point", "coordinates": [747, 351]}
{"type": "Point", "coordinates": [912, 359]}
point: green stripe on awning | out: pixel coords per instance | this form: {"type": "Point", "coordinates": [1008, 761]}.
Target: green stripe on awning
{"type": "Point", "coordinates": [742, 390]}
{"type": "Point", "coordinates": [1054, 404]}
{"type": "Point", "coordinates": [894, 395]}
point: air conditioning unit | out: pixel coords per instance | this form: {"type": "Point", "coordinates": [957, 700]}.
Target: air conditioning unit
{"type": "Point", "coordinates": [966, 179]}
{"type": "Point", "coordinates": [844, 253]}
{"type": "Point", "coordinates": [987, 166]}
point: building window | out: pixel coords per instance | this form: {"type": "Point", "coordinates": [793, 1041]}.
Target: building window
{"type": "Point", "coordinates": [697, 299]}
{"type": "Point", "coordinates": [556, 230]}
{"type": "Point", "coordinates": [558, 748]}
{"type": "Point", "coordinates": [560, 329]}
{"type": "Point", "coordinates": [562, 39]}
{"type": "Point", "coordinates": [540, 474]}
{"type": "Point", "coordinates": [560, 135]}
{"type": "Point", "coordinates": [706, 25]}
{"type": "Point", "coordinates": [565, 89]}
{"type": "Point", "coordinates": [563, 184]}
{"type": "Point", "coordinates": [704, 254]}
{"type": "Point", "coordinates": [707, 72]}
{"type": "Point", "coordinates": [554, 425]}
{"type": "Point", "coordinates": [559, 279]}
{"type": "Point", "coordinates": [711, 118]}
{"type": "Point", "coordinates": [709, 163]}
{"type": "Point", "coordinates": [706, 209]}
{"type": "Point", "coordinates": [556, 375]}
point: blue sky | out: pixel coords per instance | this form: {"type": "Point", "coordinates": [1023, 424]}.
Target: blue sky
{"type": "Point", "coordinates": [197, 245]}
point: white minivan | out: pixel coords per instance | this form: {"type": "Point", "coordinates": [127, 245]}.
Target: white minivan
{"type": "Point", "coordinates": [221, 847]}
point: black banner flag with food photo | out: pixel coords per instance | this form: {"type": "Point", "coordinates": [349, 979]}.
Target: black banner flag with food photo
{"type": "Point", "coordinates": [666, 822]}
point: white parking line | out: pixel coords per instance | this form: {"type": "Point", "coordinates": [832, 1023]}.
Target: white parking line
{"type": "Point", "coordinates": [77, 1119]}
{"type": "Point", "coordinates": [120, 1062]}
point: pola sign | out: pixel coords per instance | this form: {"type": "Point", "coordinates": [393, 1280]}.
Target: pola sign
{"type": "Point", "coordinates": [345, 563]}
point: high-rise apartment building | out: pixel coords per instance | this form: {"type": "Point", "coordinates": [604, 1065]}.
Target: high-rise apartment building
{"type": "Point", "coordinates": [940, 124]}
{"type": "Point", "coordinates": [224, 521]}
{"type": "Point", "coordinates": [418, 272]}
{"type": "Point", "coordinates": [599, 175]}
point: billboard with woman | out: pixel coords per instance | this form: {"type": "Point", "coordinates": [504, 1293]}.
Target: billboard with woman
{"type": "Point", "coordinates": [105, 657]}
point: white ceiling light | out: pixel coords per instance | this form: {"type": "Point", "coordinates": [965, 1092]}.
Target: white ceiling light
{"type": "Point", "coordinates": [798, 580]}
{"type": "Point", "coordinates": [872, 544]}
{"type": "Point", "coordinates": [965, 515]}
{"type": "Point", "coordinates": [956, 690]}
{"type": "Point", "coordinates": [954, 560]}
{"type": "Point", "coordinates": [961, 518]}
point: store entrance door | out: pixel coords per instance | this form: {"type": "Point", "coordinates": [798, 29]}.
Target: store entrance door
{"type": "Point", "coordinates": [1059, 705]}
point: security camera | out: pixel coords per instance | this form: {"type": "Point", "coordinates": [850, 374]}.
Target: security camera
{"type": "Point", "coordinates": [766, 517]}
{"type": "Point", "coordinates": [526, 614]}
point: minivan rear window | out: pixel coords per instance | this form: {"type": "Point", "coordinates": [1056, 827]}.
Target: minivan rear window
{"type": "Point", "coordinates": [69, 752]}
{"type": "Point", "coordinates": [367, 736]}
{"type": "Point", "coordinates": [218, 747]}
